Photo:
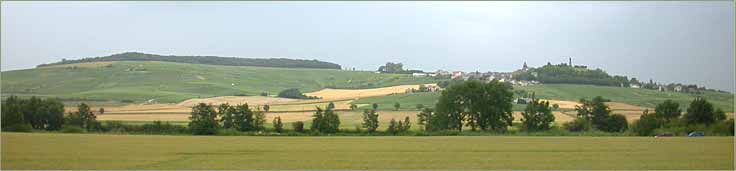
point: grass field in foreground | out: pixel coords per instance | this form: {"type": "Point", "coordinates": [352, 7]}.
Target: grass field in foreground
{"type": "Point", "coordinates": [85, 151]}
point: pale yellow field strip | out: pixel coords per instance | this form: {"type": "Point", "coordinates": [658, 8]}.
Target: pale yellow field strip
{"type": "Point", "coordinates": [235, 100]}
{"type": "Point", "coordinates": [353, 94]}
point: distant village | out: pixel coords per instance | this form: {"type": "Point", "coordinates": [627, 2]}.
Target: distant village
{"type": "Point", "coordinates": [482, 76]}
{"type": "Point", "coordinates": [508, 77]}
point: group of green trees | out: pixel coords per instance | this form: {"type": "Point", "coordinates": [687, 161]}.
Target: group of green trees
{"type": "Point", "coordinates": [44, 114]}
{"type": "Point", "coordinates": [212, 60]}
{"type": "Point", "coordinates": [204, 118]}
{"type": "Point", "coordinates": [326, 121]}
{"type": "Point", "coordinates": [25, 115]}
{"type": "Point", "coordinates": [32, 113]}
{"type": "Point", "coordinates": [294, 93]}
{"type": "Point", "coordinates": [472, 103]}
{"type": "Point", "coordinates": [596, 114]}
{"type": "Point", "coordinates": [699, 116]}
{"type": "Point", "coordinates": [537, 116]}
{"type": "Point", "coordinates": [396, 68]}
{"type": "Point", "coordinates": [398, 127]}
{"type": "Point", "coordinates": [563, 73]}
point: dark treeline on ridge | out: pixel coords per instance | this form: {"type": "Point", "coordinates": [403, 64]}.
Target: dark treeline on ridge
{"type": "Point", "coordinates": [212, 60]}
{"type": "Point", "coordinates": [568, 74]}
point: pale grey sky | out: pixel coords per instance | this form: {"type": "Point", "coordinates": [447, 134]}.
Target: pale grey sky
{"type": "Point", "coordinates": [687, 42]}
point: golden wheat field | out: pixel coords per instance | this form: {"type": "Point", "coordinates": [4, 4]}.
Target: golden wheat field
{"type": "Point", "coordinates": [335, 94]}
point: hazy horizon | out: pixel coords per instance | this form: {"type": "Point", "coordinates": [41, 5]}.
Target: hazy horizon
{"type": "Point", "coordinates": [646, 40]}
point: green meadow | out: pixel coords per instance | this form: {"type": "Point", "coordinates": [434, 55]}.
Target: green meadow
{"type": "Point", "coordinates": [94, 151]}
{"type": "Point", "coordinates": [175, 82]}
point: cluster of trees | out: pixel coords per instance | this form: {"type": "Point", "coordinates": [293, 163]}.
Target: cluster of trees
{"type": "Point", "coordinates": [398, 127]}
{"type": "Point", "coordinates": [396, 68]}
{"type": "Point", "coordinates": [24, 115]}
{"type": "Point", "coordinates": [326, 121]}
{"type": "Point", "coordinates": [472, 103]}
{"type": "Point", "coordinates": [204, 118]}
{"type": "Point", "coordinates": [668, 118]}
{"type": "Point", "coordinates": [391, 67]}
{"type": "Point", "coordinates": [370, 122]}
{"type": "Point", "coordinates": [370, 119]}
{"type": "Point", "coordinates": [212, 60]}
{"type": "Point", "coordinates": [32, 113]}
{"type": "Point", "coordinates": [537, 116]}
{"type": "Point", "coordinates": [83, 118]}
{"type": "Point", "coordinates": [294, 93]}
{"type": "Point", "coordinates": [44, 114]}
{"type": "Point", "coordinates": [563, 73]}
{"type": "Point", "coordinates": [596, 114]}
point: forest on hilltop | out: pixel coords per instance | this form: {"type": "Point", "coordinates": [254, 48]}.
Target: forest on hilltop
{"type": "Point", "coordinates": [211, 60]}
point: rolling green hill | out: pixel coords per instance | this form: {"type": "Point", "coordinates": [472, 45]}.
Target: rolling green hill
{"type": "Point", "coordinates": [173, 82]}
{"type": "Point", "coordinates": [211, 60]}
{"type": "Point", "coordinates": [570, 92]}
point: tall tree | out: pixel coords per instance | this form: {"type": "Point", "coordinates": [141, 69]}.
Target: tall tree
{"type": "Point", "coordinates": [370, 120]}
{"type": "Point", "coordinates": [277, 125]}
{"type": "Point", "coordinates": [326, 121]}
{"type": "Point", "coordinates": [88, 119]}
{"type": "Point", "coordinates": [12, 114]}
{"type": "Point", "coordinates": [407, 125]}
{"type": "Point", "coordinates": [594, 110]}
{"type": "Point", "coordinates": [226, 113]}
{"type": "Point", "coordinates": [243, 118]}
{"type": "Point", "coordinates": [54, 111]}
{"type": "Point", "coordinates": [259, 120]}
{"type": "Point", "coordinates": [700, 111]}
{"type": "Point", "coordinates": [537, 116]}
{"type": "Point", "coordinates": [332, 120]}
{"type": "Point", "coordinates": [646, 124]}
{"type": "Point", "coordinates": [667, 111]}
{"type": "Point", "coordinates": [317, 120]}
{"type": "Point", "coordinates": [203, 120]}
{"type": "Point", "coordinates": [424, 118]}
{"type": "Point", "coordinates": [32, 112]}
{"type": "Point", "coordinates": [393, 127]}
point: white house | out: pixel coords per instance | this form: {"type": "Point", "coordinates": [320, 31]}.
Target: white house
{"type": "Point", "coordinates": [456, 74]}
{"type": "Point", "coordinates": [635, 86]}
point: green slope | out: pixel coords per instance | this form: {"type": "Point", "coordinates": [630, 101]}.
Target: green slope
{"type": "Point", "coordinates": [173, 82]}
{"type": "Point", "coordinates": [640, 97]}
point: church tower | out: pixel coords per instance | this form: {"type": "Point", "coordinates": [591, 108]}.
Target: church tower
{"type": "Point", "coordinates": [570, 62]}
{"type": "Point", "coordinates": [524, 68]}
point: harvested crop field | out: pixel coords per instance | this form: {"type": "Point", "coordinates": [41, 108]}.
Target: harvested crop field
{"type": "Point", "coordinates": [234, 100]}
{"type": "Point", "coordinates": [139, 152]}
{"type": "Point", "coordinates": [353, 94]}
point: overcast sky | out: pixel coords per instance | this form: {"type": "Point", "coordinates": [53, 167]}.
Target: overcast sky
{"type": "Point", "coordinates": [687, 42]}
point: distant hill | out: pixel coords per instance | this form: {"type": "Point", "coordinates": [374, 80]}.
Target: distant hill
{"type": "Point", "coordinates": [211, 60]}
{"type": "Point", "coordinates": [140, 81]}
